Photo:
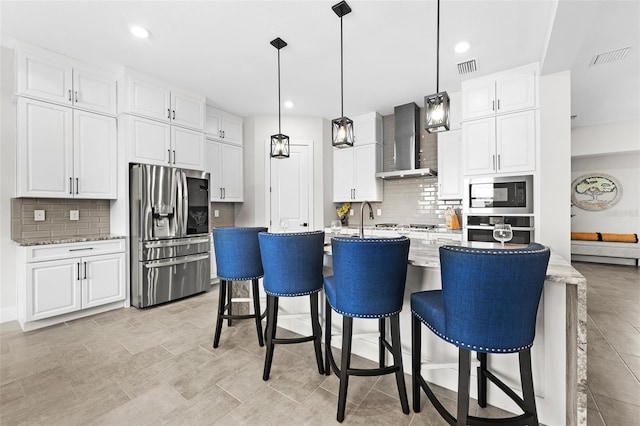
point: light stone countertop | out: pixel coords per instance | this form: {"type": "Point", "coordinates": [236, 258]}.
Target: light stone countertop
{"type": "Point", "coordinates": [65, 240]}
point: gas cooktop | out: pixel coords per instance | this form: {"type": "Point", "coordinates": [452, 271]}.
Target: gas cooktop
{"type": "Point", "coordinates": [412, 226]}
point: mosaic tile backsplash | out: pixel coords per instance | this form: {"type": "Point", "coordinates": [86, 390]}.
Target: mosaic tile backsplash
{"type": "Point", "coordinates": [409, 200]}
{"type": "Point", "coordinates": [93, 219]}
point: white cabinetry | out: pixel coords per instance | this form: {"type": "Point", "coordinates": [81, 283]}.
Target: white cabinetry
{"type": "Point", "coordinates": [367, 128]}
{"type": "Point", "coordinates": [354, 173]}
{"type": "Point", "coordinates": [224, 126]}
{"type": "Point", "coordinates": [450, 165]}
{"type": "Point", "coordinates": [503, 144]}
{"type": "Point", "coordinates": [65, 153]}
{"type": "Point", "coordinates": [154, 142]}
{"type": "Point", "coordinates": [62, 279]}
{"type": "Point", "coordinates": [225, 165]}
{"type": "Point", "coordinates": [147, 97]}
{"type": "Point", "coordinates": [55, 78]}
{"type": "Point", "coordinates": [506, 92]}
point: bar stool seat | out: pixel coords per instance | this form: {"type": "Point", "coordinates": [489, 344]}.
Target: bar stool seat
{"type": "Point", "coordinates": [488, 304]}
{"type": "Point", "coordinates": [368, 282]}
{"type": "Point", "coordinates": [237, 259]}
{"type": "Point", "coordinates": [292, 267]}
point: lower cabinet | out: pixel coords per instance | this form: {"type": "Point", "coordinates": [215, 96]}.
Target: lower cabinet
{"type": "Point", "coordinates": [64, 278]}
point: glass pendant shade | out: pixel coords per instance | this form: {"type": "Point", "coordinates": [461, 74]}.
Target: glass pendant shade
{"type": "Point", "coordinates": [280, 146]}
{"type": "Point", "coordinates": [342, 132]}
{"type": "Point", "coordinates": [437, 112]}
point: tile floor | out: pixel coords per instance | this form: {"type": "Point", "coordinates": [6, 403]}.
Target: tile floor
{"type": "Point", "coordinates": [157, 367]}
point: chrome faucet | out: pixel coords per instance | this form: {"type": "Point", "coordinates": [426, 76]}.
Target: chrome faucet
{"type": "Point", "coordinates": [362, 216]}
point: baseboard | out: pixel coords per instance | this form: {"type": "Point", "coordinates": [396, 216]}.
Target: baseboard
{"type": "Point", "coordinates": [603, 259]}
{"type": "Point", "coordinates": [8, 314]}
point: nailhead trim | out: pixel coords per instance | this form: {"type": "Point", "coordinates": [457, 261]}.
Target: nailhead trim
{"type": "Point", "coordinates": [474, 347]}
{"type": "Point", "coordinates": [240, 278]}
{"type": "Point", "coordinates": [363, 315]}
{"type": "Point", "coordinates": [370, 240]}
{"type": "Point", "coordinates": [271, 293]}
{"type": "Point", "coordinates": [493, 251]}
{"type": "Point", "coordinates": [291, 234]}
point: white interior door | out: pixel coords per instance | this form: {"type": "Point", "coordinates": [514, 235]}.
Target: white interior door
{"type": "Point", "coordinates": [290, 192]}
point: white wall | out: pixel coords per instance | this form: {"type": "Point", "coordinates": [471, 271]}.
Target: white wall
{"type": "Point", "coordinates": [8, 288]}
{"type": "Point", "coordinates": [624, 216]}
{"type": "Point", "coordinates": [605, 139]}
{"type": "Point", "coordinates": [554, 164]}
{"type": "Point", "coordinates": [257, 130]}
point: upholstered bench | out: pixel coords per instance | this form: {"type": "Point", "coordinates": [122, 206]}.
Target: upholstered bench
{"type": "Point", "coordinates": [605, 252]}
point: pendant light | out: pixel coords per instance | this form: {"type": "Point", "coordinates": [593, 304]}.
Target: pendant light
{"type": "Point", "coordinates": [436, 106]}
{"type": "Point", "coordinates": [279, 142]}
{"type": "Point", "coordinates": [342, 128]}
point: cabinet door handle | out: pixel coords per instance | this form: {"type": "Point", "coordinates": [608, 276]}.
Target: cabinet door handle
{"type": "Point", "coordinates": [221, 193]}
{"type": "Point", "coordinates": [85, 270]}
{"type": "Point", "coordinates": [224, 193]}
{"type": "Point", "coordinates": [77, 185]}
{"type": "Point", "coordinates": [498, 104]}
{"type": "Point", "coordinates": [174, 156]}
{"type": "Point", "coordinates": [76, 94]}
{"type": "Point", "coordinates": [69, 95]}
{"type": "Point", "coordinates": [499, 162]}
{"type": "Point", "coordinates": [493, 105]}
{"type": "Point", "coordinates": [494, 161]}
{"type": "Point", "coordinates": [78, 271]}
{"type": "Point", "coordinates": [174, 114]}
{"type": "Point", "coordinates": [169, 113]}
{"type": "Point", "coordinates": [224, 135]}
{"type": "Point", "coordinates": [169, 154]}
{"type": "Point", "coordinates": [70, 185]}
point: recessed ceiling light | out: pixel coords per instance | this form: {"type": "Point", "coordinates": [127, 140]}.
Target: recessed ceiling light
{"type": "Point", "coordinates": [288, 104]}
{"type": "Point", "coordinates": [139, 31]}
{"type": "Point", "coordinates": [462, 47]}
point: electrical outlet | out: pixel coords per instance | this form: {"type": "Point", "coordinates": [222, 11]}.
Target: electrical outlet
{"type": "Point", "coordinates": [74, 215]}
{"type": "Point", "coordinates": [38, 215]}
{"type": "Point", "coordinates": [379, 212]}
{"type": "Point", "coordinates": [351, 212]}
{"type": "Point", "coordinates": [216, 213]}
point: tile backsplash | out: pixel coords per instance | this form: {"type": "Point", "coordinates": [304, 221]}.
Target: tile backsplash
{"type": "Point", "coordinates": [93, 218]}
{"type": "Point", "coordinates": [409, 200]}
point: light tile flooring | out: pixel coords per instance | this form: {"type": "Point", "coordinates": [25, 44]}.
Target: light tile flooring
{"type": "Point", "coordinates": [157, 367]}
{"type": "Point", "coordinates": [613, 343]}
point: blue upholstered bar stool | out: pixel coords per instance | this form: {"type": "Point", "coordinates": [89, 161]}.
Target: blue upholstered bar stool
{"type": "Point", "coordinates": [292, 267]}
{"type": "Point", "coordinates": [368, 281]}
{"type": "Point", "coordinates": [488, 304]}
{"type": "Point", "coordinates": [237, 259]}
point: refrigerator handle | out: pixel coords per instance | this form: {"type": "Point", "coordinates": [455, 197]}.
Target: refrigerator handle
{"type": "Point", "coordinates": [185, 202]}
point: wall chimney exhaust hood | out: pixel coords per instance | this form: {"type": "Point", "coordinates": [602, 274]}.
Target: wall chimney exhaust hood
{"type": "Point", "coordinates": [407, 145]}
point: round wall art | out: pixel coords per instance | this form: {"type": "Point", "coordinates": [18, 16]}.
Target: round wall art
{"type": "Point", "coordinates": [595, 191]}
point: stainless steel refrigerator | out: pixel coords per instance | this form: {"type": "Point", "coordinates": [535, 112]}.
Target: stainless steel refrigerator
{"type": "Point", "coordinates": [170, 243]}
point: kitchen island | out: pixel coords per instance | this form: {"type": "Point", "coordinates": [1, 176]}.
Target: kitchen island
{"type": "Point", "coordinates": [558, 354]}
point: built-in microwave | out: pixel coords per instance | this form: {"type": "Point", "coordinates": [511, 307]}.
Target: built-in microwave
{"type": "Point", "coordinates": [499, 195]}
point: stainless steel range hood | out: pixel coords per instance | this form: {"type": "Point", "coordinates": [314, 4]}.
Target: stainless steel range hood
{"type": "Point", "coordinates": [407, 145]}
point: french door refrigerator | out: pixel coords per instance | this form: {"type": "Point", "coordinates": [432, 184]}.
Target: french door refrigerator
{"type": "Point", "coordinates": [170, 243]}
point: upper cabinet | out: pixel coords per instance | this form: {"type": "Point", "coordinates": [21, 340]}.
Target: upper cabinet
{"type": "Point", "coordinates": [367, 128]}
{"type": "Point", "coordinates": [65, 153]}
{"type": "Point", "coordinates": [224, 163]}
{"type": "Point", "coordinates": [55, 78]}
{"type": "Point", "coordinates": [223, 126]}
{"type": "Point", "coordinates": [147, 97]}
{"type": "Point", "coordinates": [501, 93]}
{"type": "Point", "coordinates": [450, 165]}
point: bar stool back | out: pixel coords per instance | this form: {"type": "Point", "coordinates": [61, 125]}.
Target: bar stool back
{"type": "Point", "coordinates": [237, 259]}
{"type": "Point", "coordinates": [368, 282]}
{"type": "Point", "coordinates": [488, 304]}
{"type": "Point", "coordinates": [292, 267]}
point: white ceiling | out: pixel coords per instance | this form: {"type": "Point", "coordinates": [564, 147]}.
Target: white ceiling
{"type": "Point", "coordinates": [221, 48]}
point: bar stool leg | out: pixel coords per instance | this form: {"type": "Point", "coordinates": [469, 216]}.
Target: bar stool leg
{"type": "Point", "coordinates": [327, 339]}
{"type": "Point", "coordinates": [272, 311]}
{"type": "Point", "coordinates": [256, 311]}
{"type": "Point", "coordinates": [464, 372]}
{"type": "Point", "coordinates": [221, 306]}
{"type": "Point", "coordinates": [527, 384]}
{"type": "Point", "coordinates": [482, 380]}
{"type": "Point", "coordinates": [416, 355]}
{"type": "Point", "coordinates": [317, 331]}
{"type": "Point", "coordinates": [347, 329]}
{"type": "Point", "coordinates": [229, 291]}
{"type": "Point", "coordinates": [397, 362]}
{"type": "Point", "coordinates": [381, 337]}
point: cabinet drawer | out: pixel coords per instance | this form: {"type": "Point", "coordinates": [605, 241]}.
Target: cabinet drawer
{"type": "Point", "coordinates": [64, 251]}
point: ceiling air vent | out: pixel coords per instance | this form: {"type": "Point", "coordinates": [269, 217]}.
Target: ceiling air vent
{"type": "Point", "coordinates": [467, 67]}
{"type": "Point", "coordinates": [610, 56]}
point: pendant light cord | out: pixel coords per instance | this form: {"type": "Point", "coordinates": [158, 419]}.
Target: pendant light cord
{"type": "Point", "coordinates": [438, 51]}
{"type": "Point", "coordinates": [341, 73]}
{"type": "Point", "coordinates": [279, 116]}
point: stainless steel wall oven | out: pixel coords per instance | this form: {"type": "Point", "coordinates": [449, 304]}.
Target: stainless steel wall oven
{"type": "Point", "coordinates": [170, 245]}
{"type": "Point", "coordinates": [480, 228]}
